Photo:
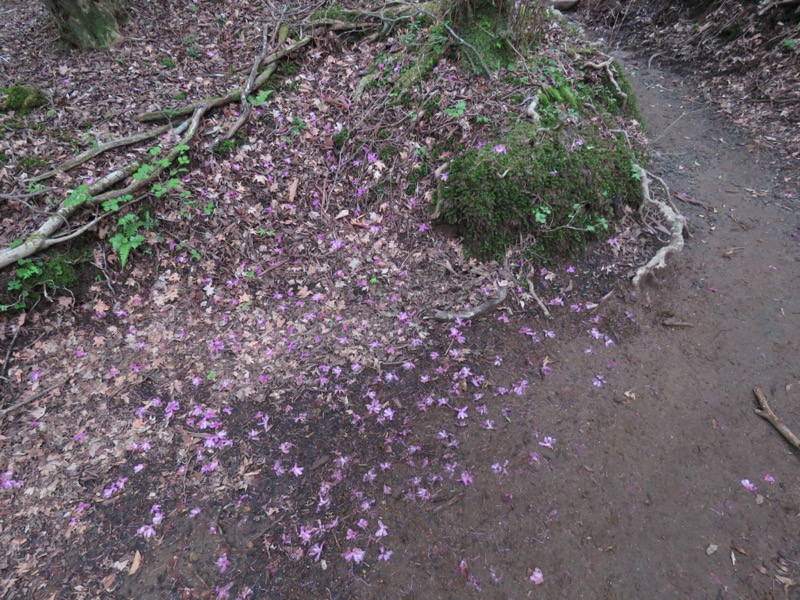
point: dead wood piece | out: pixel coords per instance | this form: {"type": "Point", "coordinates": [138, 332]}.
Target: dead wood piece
{"type": "Point", "coordinates": [765, 411]}
{"type": "Point", "coordinates": [450, 502]}
{"type": "Point", "coordinates": [674, 218]}
{"type": "Point", "coordinates": [441, 315]}
{"type": "Point", "coordinates": [7, 361]}
{"type": "Point", "coordinates": [689, 200]}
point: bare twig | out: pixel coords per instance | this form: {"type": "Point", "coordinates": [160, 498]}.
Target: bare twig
{"type": "Point", "coordinates": [764, 410]}
{"type": "Point", "coordinates": [770, 5]}
{"type": "Point", "coordinates": [441, 315]}
{"type": "Point", "coordinates": [35, 397]}
{"type": "Point", "coordinates": [532, 292]}
{"type": "Point", "coordinates": [24, 196]}
{"type": "Point", "coordinates": [447, 504]}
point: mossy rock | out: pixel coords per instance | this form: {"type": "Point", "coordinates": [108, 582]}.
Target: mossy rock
{"type": "Point", "coordinates": [23, 100]}
{"type": "Point", "coordinates": [557, 188]}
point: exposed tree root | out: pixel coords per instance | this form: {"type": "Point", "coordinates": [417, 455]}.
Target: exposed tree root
{"type": "Point", "coordinates": [97, 151]}
{"type": "Point", "coordinates": [608, 66]}
{"type": "Point", "coordinates": [441, 315]}
{"type": "Point", "coordinates": [676, 221]}
{"type": "Point", "coordinates": [46, 235]}
{"type": "Point", "coordinates": [764, 410]}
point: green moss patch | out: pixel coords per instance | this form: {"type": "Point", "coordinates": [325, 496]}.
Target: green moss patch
{"type": "Point", "coordinates": [558, 189]}
{"type": "Point", "coordinates": [23, 100]}
{"type": "Point", "coordinates": [54, 270]}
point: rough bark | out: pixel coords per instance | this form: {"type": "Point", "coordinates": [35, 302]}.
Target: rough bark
{"type": "Point", "coordinates": [88, 24]}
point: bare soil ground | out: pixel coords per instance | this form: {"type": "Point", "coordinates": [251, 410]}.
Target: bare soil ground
{"type": "Point", "coordinates": [645, 479]}
{"type": "Point", "coordinates": [329, 442]}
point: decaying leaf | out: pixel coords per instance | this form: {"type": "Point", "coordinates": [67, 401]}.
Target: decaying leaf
{"type": "Point", "coordinates": [137, 562]}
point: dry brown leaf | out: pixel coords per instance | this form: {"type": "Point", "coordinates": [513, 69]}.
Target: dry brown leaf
{"type": "Point", "coordinates": [293, 189]}
{"type": "Point", "coordinates": [108, 582]}
{"type": "Point", "coordinates": [137, 562]}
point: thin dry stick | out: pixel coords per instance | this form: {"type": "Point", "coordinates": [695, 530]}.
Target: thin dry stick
{"type": "Point", "coordinates": [532, 292]}
{"type": "Point", "coordinates": [765, 411]}
{"type": "Point", "coordinates": [35, 397]}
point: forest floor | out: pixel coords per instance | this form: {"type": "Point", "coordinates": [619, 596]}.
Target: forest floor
{"type": "Point", "coordinates": [276, 419]}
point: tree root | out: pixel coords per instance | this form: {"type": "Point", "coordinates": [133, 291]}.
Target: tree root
{"type": "Point", "coordinates": [608, 66]}
{"type": "Point", "coordinates": [676, 221]}
{"type": "Point", "coordinates": [441, 315]}
{"type": "Point", "coordinates": [97, 151]}
{"type": "Point", "coordinates": [45, 235]}
{"type": "Point", "coordinates": [765, 411]}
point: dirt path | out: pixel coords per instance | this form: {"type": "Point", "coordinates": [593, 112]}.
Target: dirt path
{"type": "Point", "coordinates": [644, 478]}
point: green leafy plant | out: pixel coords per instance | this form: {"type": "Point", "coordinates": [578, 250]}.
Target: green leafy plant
{"type": "Point", "coordinates": [260, 99]}
{"type": "Point", "coordinates": [54, 270]}
{"type": "Point", "coordinates": [299, 125]}
{"type": "Point", "coordinates": [456, 111]}
{"type": "Point", "coordinates": [128, 236]}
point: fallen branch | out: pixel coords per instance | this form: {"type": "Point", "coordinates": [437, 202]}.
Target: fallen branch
{"type": "Point", "coordinates": [765, 411]}
{"type": "Point", "coordinates": [248, 87]}
{"type": "Point", "coordinates": [441, 315]}
{"type": "Point", "coordinates": [767, 7]}
{"type": "Point", "coordinates": [7, 361]}
{"type": "Point", "coordinates": [35, 397]}
{"type": "Point", "coordinates": [677, 224]}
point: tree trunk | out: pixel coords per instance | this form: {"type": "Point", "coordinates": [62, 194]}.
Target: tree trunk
{"type": "Point", "coordinates": [89, 24]}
